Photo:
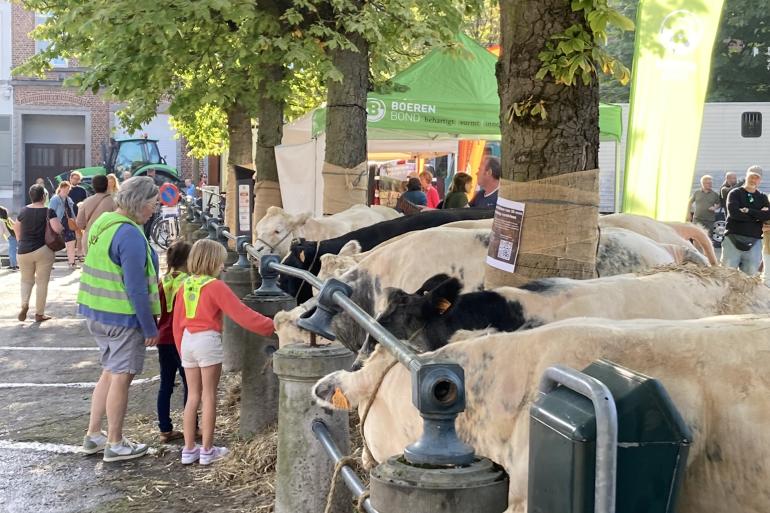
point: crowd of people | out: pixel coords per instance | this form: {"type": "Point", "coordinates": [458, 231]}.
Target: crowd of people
{"type": "Point", "coordinates": [746, 212]}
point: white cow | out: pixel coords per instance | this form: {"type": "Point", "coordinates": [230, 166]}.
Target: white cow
{"type": "Point", "coordinates": [714, 369]}
{"type": "Point", "coordinates": [276, 230]}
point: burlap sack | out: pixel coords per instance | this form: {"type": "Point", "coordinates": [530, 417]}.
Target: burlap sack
{"type": "Point", "coordinates": [266, 194]}
{"type": "Point", "coordinates": [344, 187]}
{"type": "Point", "coordinates": [560, 231]}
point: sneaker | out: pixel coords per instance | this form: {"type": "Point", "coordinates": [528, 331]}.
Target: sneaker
{"type": "Point", "coordinates": [190, 456]}
{"type": "Point", "coordinates": [124, 450]}
{"type": "Point", "coordinates": [213, 454]}
{"type": "Point", "coordinates": [94, 443]}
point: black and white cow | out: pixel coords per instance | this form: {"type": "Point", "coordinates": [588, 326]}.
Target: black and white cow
{"type": "Point", "coordinates": [307, 254]}
{"type": "Point", "coordinates": [428, 318]}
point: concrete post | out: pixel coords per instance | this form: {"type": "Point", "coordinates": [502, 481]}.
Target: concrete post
{"type": "Point", "coordinates": [397, 487]}
{"type": "Point", "coordinates": [259, 385]}
{"type": "Point", "coordinates": [241, 282]}
{"type": "Point", "coordinates": [188, 229]}
{"type": "Point", "coordinates": [304, 470]}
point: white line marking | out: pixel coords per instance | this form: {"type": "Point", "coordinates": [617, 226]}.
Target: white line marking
{"type": "Point", "coordinates": [71, 385]}
{"type": "Point", "coordinates": [47, 447]}
{"type": "Point", "coordinates": [41, 348]}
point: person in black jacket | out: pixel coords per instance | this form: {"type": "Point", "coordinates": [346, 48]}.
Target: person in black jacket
{"type": "Point", "coordinates": [747, 210]}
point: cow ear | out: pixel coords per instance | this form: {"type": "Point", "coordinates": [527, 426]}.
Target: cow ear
{"type": "Point", "coordinates": [350, 248]}
{"type": "Point", "coordinates": [301, 255]}
{"type": "Point", "coordinates": [301, 218]}
{"type": "Point", "coordinates": [441, 298]}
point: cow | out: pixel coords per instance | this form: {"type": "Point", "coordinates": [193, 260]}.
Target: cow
{"type": "Point", "coordinates": [674, 233]}
{"type": "Point", "coordinates": [278, 228]}
{"type": "Point", "coordinates": [307, 254]}
{"type": "Point", "coordinates": [714, 369]}
{"type": "Point", "coordinates": [429, 317]}
{"type": "Point", "coordinates": [456, 252]}
{"type": "Point", "coordinates": [686, 242]}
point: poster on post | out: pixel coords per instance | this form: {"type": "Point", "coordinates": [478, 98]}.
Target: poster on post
{"type": "Point", "coordinates": [506, 235]}
{"type": "Point", "coordinates": [244, 208]}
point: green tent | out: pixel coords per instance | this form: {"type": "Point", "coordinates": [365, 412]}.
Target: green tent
{"type": "Point", "coordinates": [448, 94]}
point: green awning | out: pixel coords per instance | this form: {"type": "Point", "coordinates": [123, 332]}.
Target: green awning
{"type": "Point", "coordinates": [448, 94]}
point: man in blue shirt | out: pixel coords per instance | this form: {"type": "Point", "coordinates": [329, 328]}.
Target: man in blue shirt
{"type": "Point", "coordinates": [488, 179]}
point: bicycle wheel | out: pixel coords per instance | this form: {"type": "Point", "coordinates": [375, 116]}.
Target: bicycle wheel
{"type": "Point", "coordinates": [163, 233]}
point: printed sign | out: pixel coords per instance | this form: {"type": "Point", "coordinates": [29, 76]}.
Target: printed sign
{"type": "Point", "coordinates": [244, 208]}
{"type": "Point", "coordinates": [506, 235]}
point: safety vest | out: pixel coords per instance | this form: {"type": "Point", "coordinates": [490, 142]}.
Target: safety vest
{"type": "Point", "coordinates": [171, 283]}
{"type": "Point", "coordinates": [192, 293]}
{"type": "Point", "coordinates": [9, 225]}
{"type": "Point", "coordinates": [101, 280]}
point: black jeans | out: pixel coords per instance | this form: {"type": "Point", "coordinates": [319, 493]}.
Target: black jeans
{"type": "Point", "coordinates": [170, 363]}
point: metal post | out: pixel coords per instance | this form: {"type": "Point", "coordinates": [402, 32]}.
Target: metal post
{"type": "Point", "coordinates": [606, 428]}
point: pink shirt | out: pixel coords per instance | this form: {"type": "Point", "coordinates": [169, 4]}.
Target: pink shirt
{"type": "Point", "coordinates": [432, 195]}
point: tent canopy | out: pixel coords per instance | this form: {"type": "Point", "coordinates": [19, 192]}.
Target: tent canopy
{"type": "Point", "coordinates": [449, 94]}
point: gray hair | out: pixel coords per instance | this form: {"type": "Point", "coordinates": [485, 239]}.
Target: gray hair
{"type": "Point", "coordinates": [134, 193]}
{"type": "Point", "coordinates": [706, 177]}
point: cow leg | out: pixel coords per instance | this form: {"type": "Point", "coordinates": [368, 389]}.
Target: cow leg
{"type": "Point", "coordinates": [343, 390]}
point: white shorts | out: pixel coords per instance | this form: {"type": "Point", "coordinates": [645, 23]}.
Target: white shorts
{"type": "Point", "coordinates": [202, 349]}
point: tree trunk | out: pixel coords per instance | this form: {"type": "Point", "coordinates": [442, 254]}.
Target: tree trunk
{"type": "Point", "coordinates": [345, 170]}
{"type": "Point", "coordinates": [559, 231]}
{"type": "Point", "coordinates": [240, 153]}
{"type": "Point", "coordinates": [568, 140]}
{"type": "Point", "coordinates": [270, 113]}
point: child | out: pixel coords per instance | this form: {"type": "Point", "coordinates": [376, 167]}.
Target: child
{"type": "Point", "coordinates": [6, 231]}
{"type": "Point", "coordinates": [168, 356]}
{"type": "Point", "coordinates": [197, 331]}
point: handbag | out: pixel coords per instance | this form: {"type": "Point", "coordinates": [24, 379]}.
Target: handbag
{"type": "Point", "coordinates": [53, 240]}
{"type": "Point", "coordinates": [71, 224]}
{"type": "Point", "coordinates": [742, 242]}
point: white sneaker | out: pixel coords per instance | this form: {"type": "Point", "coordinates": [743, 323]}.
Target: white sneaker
{"type": "Point", "coordinates": [212, 455]}
{"type": "Point", "coordinates": [94, 443]}
{"type": "Point", "coordinates": [190, 456]}
{"type": "Point", "coordinates": [124, 450]}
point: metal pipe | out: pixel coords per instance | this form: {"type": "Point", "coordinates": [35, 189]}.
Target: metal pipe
{"type": "Point", "coordinates": [606, 428]}
{"type": "Point", "coordinates": [352, 481]}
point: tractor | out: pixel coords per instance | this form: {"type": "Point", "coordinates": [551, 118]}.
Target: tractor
{"type": "Point", "coordinates": [134, 155]}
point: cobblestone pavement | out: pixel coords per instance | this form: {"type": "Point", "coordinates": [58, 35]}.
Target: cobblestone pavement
{"type": "Point", "coordinates": [47, 374]}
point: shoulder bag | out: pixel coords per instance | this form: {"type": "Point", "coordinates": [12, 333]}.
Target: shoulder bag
{"type": "Point", "coordinates": [53, 240]}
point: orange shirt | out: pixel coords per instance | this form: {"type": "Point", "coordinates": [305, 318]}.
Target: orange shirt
{"type": "Point", "coordinates": [216, 298]}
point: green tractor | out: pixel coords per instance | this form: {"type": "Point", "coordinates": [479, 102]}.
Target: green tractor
{"type": "Point", "coordinates": [135, 155]}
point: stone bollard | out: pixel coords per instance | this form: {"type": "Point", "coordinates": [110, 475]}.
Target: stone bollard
{"type": "Point", "coordinates": [396, 487]}
{"type": "Point", "coordinates": [241, 282]}
{"type": "Point", "coordinates": [304, 469]}
{"type": "Point", "coordinates": [188, 230]}
{"type": "Point", "coordinates": [259, 384]}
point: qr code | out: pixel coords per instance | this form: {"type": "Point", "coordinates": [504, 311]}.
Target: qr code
{"type": "Point", "coordinates": [505, 250]}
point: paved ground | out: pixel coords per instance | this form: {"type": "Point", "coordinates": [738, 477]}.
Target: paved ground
{"type": "Point", "coordinates": [47, 373]}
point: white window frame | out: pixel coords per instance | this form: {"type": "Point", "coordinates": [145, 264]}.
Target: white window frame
{"type": "Point", "coordinates": [42, 44]}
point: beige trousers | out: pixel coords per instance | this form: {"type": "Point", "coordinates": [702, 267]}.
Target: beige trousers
{"type": "Point", "coordinates": [36, 270]}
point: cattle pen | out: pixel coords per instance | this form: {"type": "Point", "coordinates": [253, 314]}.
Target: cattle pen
{"type": "Point", "coordinates": [438, 472]}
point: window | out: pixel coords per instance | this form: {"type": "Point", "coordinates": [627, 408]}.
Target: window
{"type": "Point", "coordinates": [41, 45]}
{"type": "Point", "coordinates": [751, 124]}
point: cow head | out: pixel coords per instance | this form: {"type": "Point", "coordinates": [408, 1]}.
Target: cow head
{"type": "Point", "coordinates": [275, 231]}
{"type": "Point", "coordinates": [334, 266]}
{"type": "Point", "coordinates": [409, 316]}
{"type": "Point", "coordinates": [301, 255]}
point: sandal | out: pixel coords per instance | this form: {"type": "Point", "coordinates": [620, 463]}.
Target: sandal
{"type": "Point", "coordinates": [23, 313]}
{"type": "Point", "coordinates": [41, 318]}
{"type": "Point", "coordinates": [168, 436]}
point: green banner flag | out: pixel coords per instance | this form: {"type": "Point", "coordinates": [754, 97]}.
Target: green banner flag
{"type": "Point", "coordinates": [672, 61]}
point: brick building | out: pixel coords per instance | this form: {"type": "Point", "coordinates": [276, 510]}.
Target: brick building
{"type": "Point", "coordinates": [51, 129]}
